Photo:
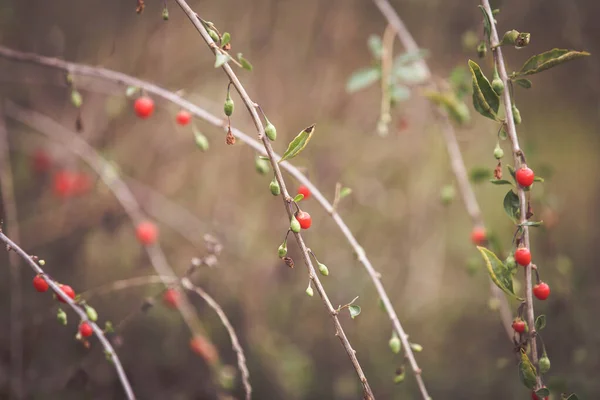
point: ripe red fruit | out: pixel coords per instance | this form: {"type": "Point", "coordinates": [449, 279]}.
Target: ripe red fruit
{"type": "Point", "coordinates": [303, 190]}
{"type": "Point", "coordinates": [68, 290]}
{"type": "Point", "coordinates": [144, 107]}
{"type": "Point", "coordinates": [541, 291]}
{"type": "Point", "coordinates": [40, 284]}
{"type": "Point", "coordinates": [68, 183]}
{"type": "Point", "coordinates": [304, 218]}
{"type": "Point", "coordinates": [518, 325]}
{"type": "Point", "coordinates": [524, 176]}
{"type": "Point", "coordinates": [535, 396]}
{"type": "Point", "coordinates": [85, 329]}
{"type": "Point", "coordinates": [204, 349]}
{"type": "Point", "coordinates": [171, 298]}
{"type": "Point", "coordinates": [478, 236]}
{"type": "Point", "coordinates": [523, 256]}
{"type": "Point", "coordinates": [183, 117]}
{"type": "Point", "coordinates": [41, 161]}
{"type": "Point", "coordinates": [146, 233]}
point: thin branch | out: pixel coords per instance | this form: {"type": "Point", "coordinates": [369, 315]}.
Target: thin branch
{"type": "Point", "coordinates": [11, 225]}
{"type": "Point", "coordinates": [12, 246]}
{"type": "Point", "coordinates": [123, 194]}
{"type": "Point", "coordinates": [251, 106]}
{"type": "Point", "coordinates": [456, 160]}
{"type": "Point", "coordinates": [518, 157]}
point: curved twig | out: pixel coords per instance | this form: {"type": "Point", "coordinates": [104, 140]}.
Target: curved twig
{"type": "Point", "coordinates": [82, 314]}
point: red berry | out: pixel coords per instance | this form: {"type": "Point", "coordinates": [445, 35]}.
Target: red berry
{"type": "Point", "coordinates": [478, 236]}
{"type": "Point", "coordinates": [63, 183]}
{"type": "Point", "coordinates": [144, 107]}
{"type": "Point", "coordinates": [523, 256]}
{"type": "Point", "coordinates": [303, 190]}
{"type": "Point", "coordinates": [68, 290]}
{"type": "Point", "coordinates": [171, 298]}
{"type": "Point", "coordinates": [524, 176]}
{"type": "Point", "coordinates": [304, 218]}
{"type": "Point", "coordinates": [183, 117]}
{"type": "Point", "coordinates": [147, 233]}
{"type": "Point", "coordinates": [40, 284]}
{"type": "Point", "coordinates": [82, 184]}
{"type": "Point", "coordinates": [541, 291]}
{"type": "Point", "coordinates": [535, 396]}
{"type": "Point", "coordinates": [204, 349]}
{"type": "Point", "coordinates": [41, 161]}
{"type": "Point", "coordinates": [518, 325]}
{"type": "Point", "coordinates": [85, 329]}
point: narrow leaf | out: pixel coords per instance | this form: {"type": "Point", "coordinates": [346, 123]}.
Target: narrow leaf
{"type": "Point", "coordinates": [485, 100]}
{"type": "Point", "coordinates": [410, 57]}
{"type": "Point", "coordinates": [549, 59]}
{"type": "Point", "coordinates": [299, 143]}
{"type": "Point", "coordinates": [540, 322]}
{"type": "Point", "coordinates": [298, 197]}
{"type": "Point", "coordinates": [480, 174]}
{"type": "Point", "coordinates": [512, 171]}
{"type": "Point", "coordinates": [512, 205]}
{"type": "Point", "coordinates": [500, 182]}
{"type": "Point", "coordinates": [499, 273]}
{"type": "Point", "coordinates": [245, 63]}
{"type": "Point", "coordinates": [345, 192]}
{"type": "Point", "coordinates": [532, 223]}
{"type": "Point", "coordinates": [225, 39]}
{"type": "Point", "coordinates": [486, 23]}
{"type": "Point", "coordinates": [527, 371]}
{"type": "Point", "coordinates": [354, 311]}
{"type": "Point", "coordinates": [131, 90]}
{"type": "Point", "coordinates": [538, 179]}
{"type": "Point", "coordinates": [525, 83]}
{"type": "Point", "coordinates": [221, 59]}
{"type": "Point", "coordinates": [362, 78]}
{"type": "Point", "coordinates": [375, 46]}
{"type": "Point", "coordinates": [456, 108]}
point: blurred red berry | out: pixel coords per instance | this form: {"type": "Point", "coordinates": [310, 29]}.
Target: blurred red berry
{"type": "Point", "coordinates": [171, 298]}
{"type": "Point", "coordinates": [304, 218]}
{"type": "Point", "coordinates": [523, 256]}
{"type": "Point", "coordinates": [40, 284]}
{"type": "Point", "coordinates": [85, 329]}
{"type": "Point", "coordinates": [204, 349]}
{"type": "Point", "coordinates": [303, 190]}
{"type": "Point", "coordinates": [144, 107]}
{"type": "Point", "coordinates": [147, 233]}
{"type": "Point", "coordinates": [41, 161]}
{"type": "Point", "coordinates": [541, 291]}
{"type": "Point", "coordinates": [524, 176]}
{"type": "Point", "coordinates": [183, 117]}
{"type": "Point", "coordinates": [478, 236]}
{"type": "Point", "coordinates": [68, 290]}
{"type": "Point", "coordinates": [518, 325]}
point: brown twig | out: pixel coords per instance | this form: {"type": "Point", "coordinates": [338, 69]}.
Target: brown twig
{"type": "Point", "coordinates": [518, 156]}
{"type": "Point", "coordinates": [10, 222]}
{"type": "Point", "coordinates": [12, 246]}
{"type": "Point", "coordinates": [251, 106]}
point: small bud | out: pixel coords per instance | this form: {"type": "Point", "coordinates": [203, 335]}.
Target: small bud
{"type": "Point", "coordinates": [416, 347]}
{"type": "Point", "coordinates": [544, 364]}
{"type": "Point", "coordinates": [91, 313]}
{"type": "Point", "coordinates": [270, 131]}
{"type": "Point", "coordinates": [395, 344]}
{"type": "Point", "coordinates": [323, 269]}
{"type": "Point", "coordinates": [274, 187]}
{"type": "Point", "coordinates": [447, 194]}
{"type": "Point", "coordinates": [498, 152]}
{"type": "Point", "coordinates": [509, 37]}
{"type": "Point", "coordinates": [481, 49]}
{"type": "Point", "coordinates": [165, 14]}
{"type": "Point", "coordinates": [76, 98]}
{"type": "Point", "coordinates": [262, 166]}
{"type": "Point", "coordinates": [213, 35]}
{"type": "Point", "coordinates": [201, 140]}
{"type": "Point", "coordinates": [282, 250]}
{"type": "Point", "coordinates": [295, 225]}
{"type": "Point", "coordinates": [61, 316]}
{"type": "Point", "coordinates": [309, 291]}
{"type": "Point", "coordinates": [516, 115]}
{"type": "Point", "coordinates": [42, 262]}
{"type": "Point", "coordinates": [498, 86]}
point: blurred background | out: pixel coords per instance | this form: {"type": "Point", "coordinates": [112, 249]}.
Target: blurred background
{"type": "Point", "coordinates": [303, 55]}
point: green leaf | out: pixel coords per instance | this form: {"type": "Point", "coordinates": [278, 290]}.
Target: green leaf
{"type": "Point", "coordinates": [345, 192]}
{"type": "Point", "coordinates": [362, 78]}
{"type": "Point", "coordinates": [410, 57]}
{"type": "Point", "coordinates": [480, 174]}
{"type": "Point", "coordinates": [499, 273]}
{"type": "Point", "coordinates": [200, 139]}
{"type": "Point", "coordinates": [412, 74]}
{"type": "Point", "coordinates": [511, 170]}
{"type": "Point", "coordinates": [525, 83]}
{"type": "Point", "coordinates": [245, 63]}
{"type": "Point", "coordinates": [538, 179]}
{"type": "Point", "coordinates": [225, 39]}
{"type": "Point", "coordinates": [399, 93]}
{"type": "Point", "coordinates": [540, 322]}
{"type": "Point", "coordinates": [131, 90]}
{"type": "Point", "coordinates": [354, 311]}
{"type": "Point", "coordinates": [221, 59]}
{"type": "Point", "coordinates": [375, 46]}
{"type": "Point", "coordinates": [527, 371]}
{"type": "Point", "coordinates": [549, 59]}
{"type": "Point", "coordinates": [512, 205]}
{"type": "Point", "coordinates": [573, 397]}
{"type": "Point", "coordinates": [485, 100]}
{"type": "Point", "coordinates": [299, 143]}
{"type": "Point", "coordinates": [456, 108]}
{"type": "Point", "coordinates": [535, 224]}
{"type": "Point", "coordinates": [264, 158]}
{"type": "Point", "coordinates": [487, 26]}
{"type": "Point", "coordinates": [298, 197]}
{"type": "Point", "coordinates": [500, 182]}
{"type": "Point", "coordinates": [416, 347]}
{"type": "Point", "coordinates": [460, 80]}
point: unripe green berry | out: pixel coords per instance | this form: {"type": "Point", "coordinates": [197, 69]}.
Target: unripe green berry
{"type": "Point", "coordinates": [544, 364]}
{"type": "Point", "coordinates": [282, 250]}
{"type": "Point", "coordinates": [395, 344]}
{"type": "Point", "coordinates": [498, 86]}
{"type": "Point", "coordinates": [447, 194]}
{"type": "Point", "coordinates": [228, 106]}
{"type": "Point", "coordinates": [262, 166]}
{"type": "Point", "coordinates": [516, 115]}
{"type": "Point", "coordinates": [416, 347]}
{"type": "Point", "coordinates": [295, 225]}
{"type": "Point", "coordinates": [76, 98]}
{"type": "Point", "coordinates": [165, 14]}
{"type": "Point", "coordinates": [61, 316]}
{"type": "Point", "coordinates": [323, 269]}
{"type": "Point", "coordinates": [510, 262]}
{"type": "Point", "coordinates": [213, 35]}
{"type": "Point", "coordinates": [270, 131]}
{"type": "Point", "coordinates": [498, 153]}
{"type": "Point", "coordinates": [481, 49]}
{"type": "Point", "coordinates": [309, 291]}
{"type": "Point", "coordinates": [201, 141]}
{"type": "Point", "coordinates": [274, 187]}
{"type": "Point", "coordinates": [91, 313]}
